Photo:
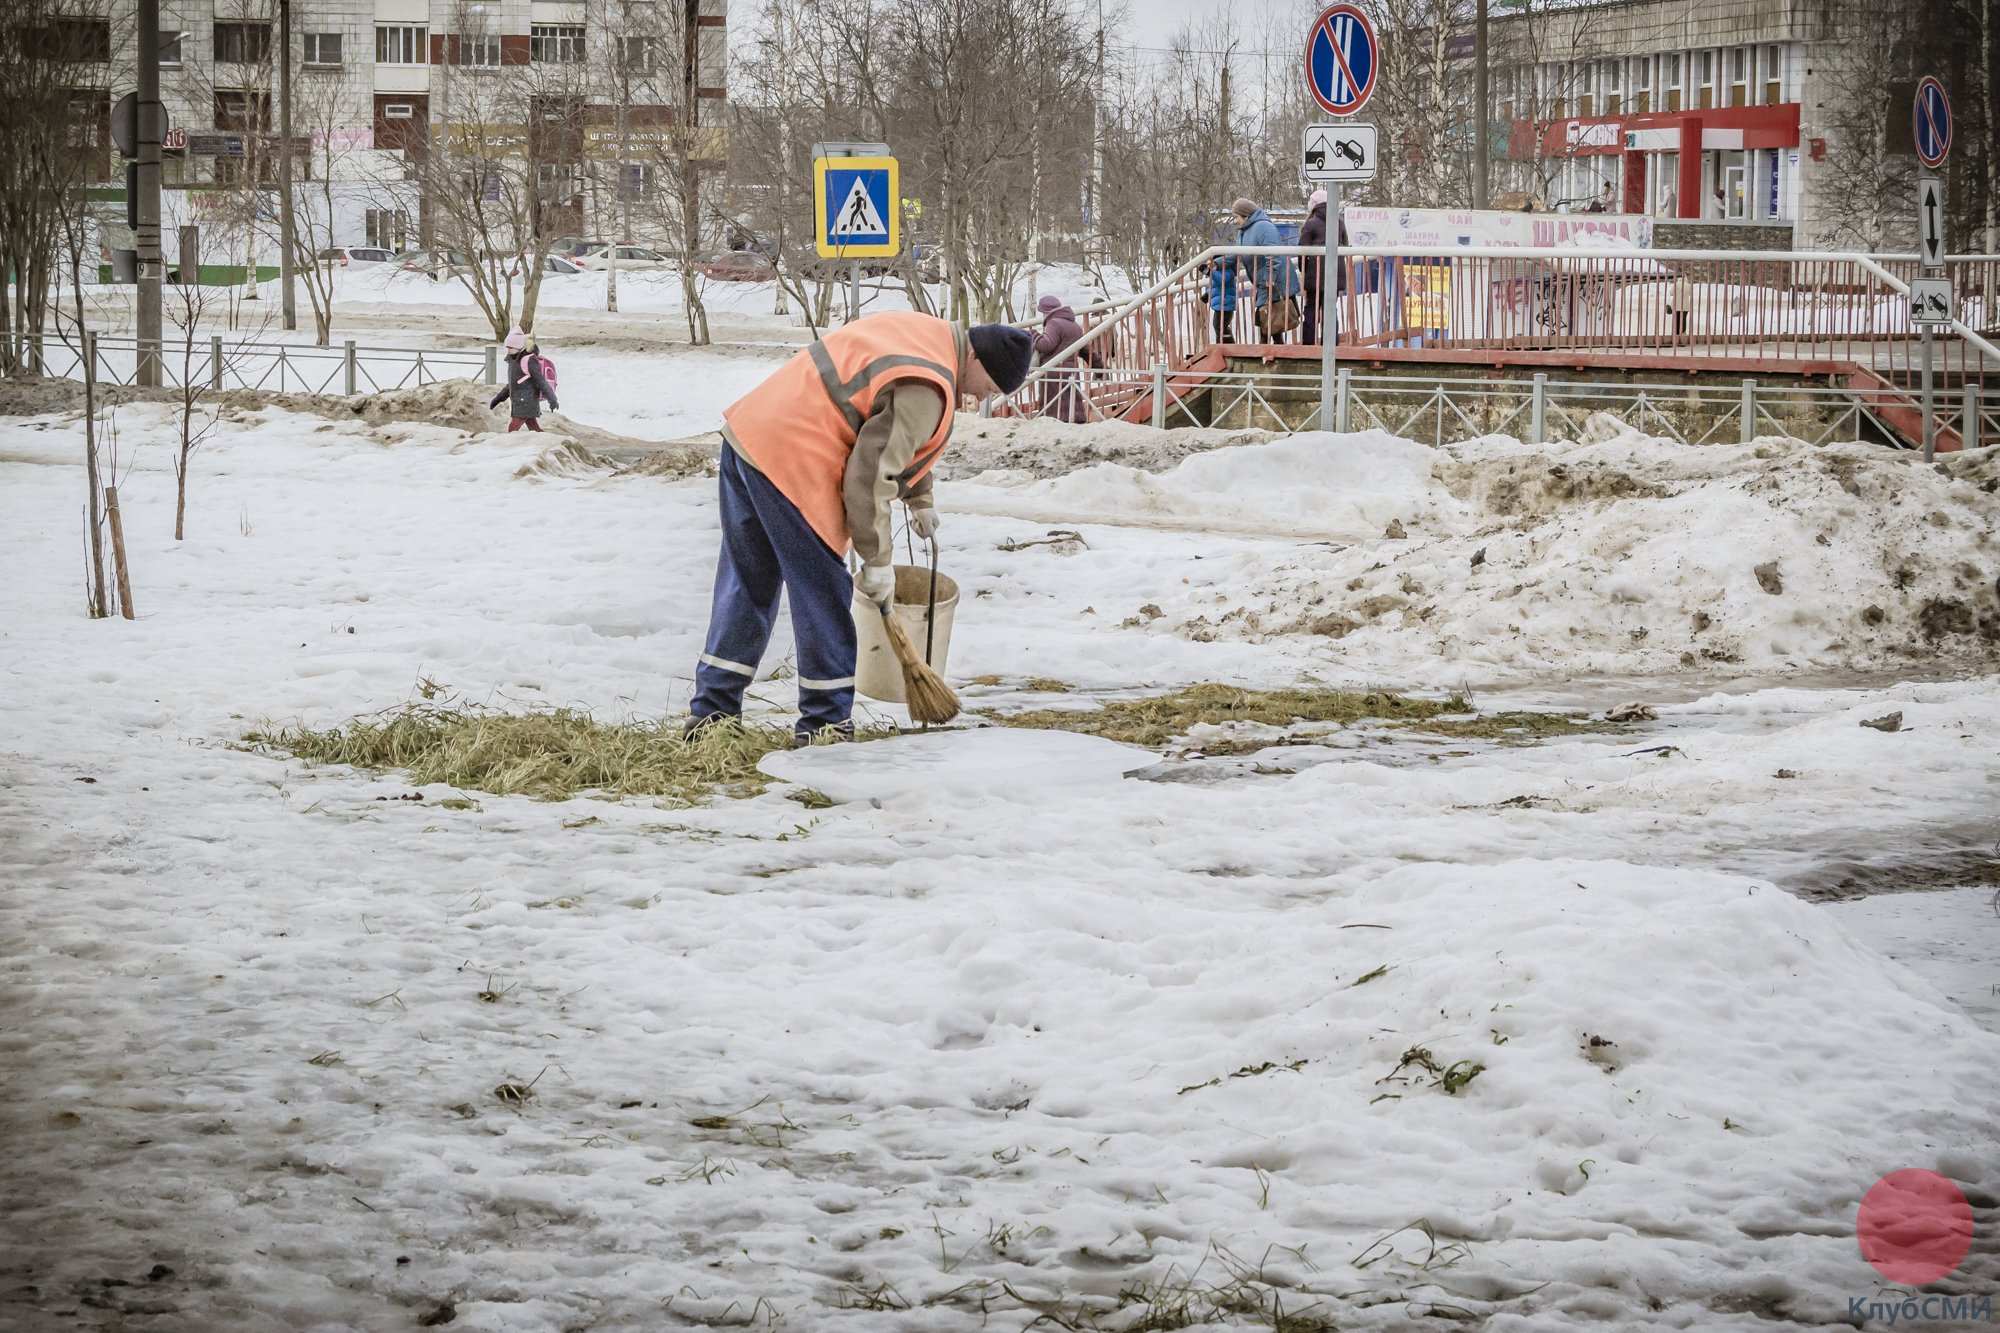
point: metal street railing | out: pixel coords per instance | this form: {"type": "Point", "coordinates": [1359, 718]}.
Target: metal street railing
{"type": "Point", "coordinates": [1779, 312]}
{"type": "Point", "coordinates": [1536, 408]}
{"type": "Point", "coordinates": [273, 367]}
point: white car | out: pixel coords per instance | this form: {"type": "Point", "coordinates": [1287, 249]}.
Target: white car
{"type": "Point", "coordinates": [629, 257]}
{"type": "Point", "coordinates": [340, 256]}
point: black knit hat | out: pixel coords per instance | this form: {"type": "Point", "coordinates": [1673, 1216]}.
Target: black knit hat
{"type": "Point", "coordinates": [1004, 351]}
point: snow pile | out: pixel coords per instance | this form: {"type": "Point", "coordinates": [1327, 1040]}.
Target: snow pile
{"type": "Point", "coordinates": [1625, 555]}
{"type": "Point", "coordinates": [1040, 447]}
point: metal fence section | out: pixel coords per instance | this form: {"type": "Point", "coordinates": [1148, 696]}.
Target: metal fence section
{"type": "Point", "coordinates": [1842, 318]}
{"type": "Point", "coordinates": [1535, 408]}
{"type": "Point", "coordinates": [273, 367]}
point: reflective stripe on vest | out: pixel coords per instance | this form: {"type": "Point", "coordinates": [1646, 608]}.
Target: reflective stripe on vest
{"type": "Point", "coordinates": [799, 426]}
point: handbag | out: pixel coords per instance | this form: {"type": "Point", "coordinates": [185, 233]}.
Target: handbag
{"type": "Point", "coordinates": [1279, 316]}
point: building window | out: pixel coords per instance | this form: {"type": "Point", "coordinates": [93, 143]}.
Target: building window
{"type": "Point", "coordinates": [242, 43]}
{"type": "Point", "coordinates": [635, 182]}
{"type": "Point", "coordinates": [642, 55]}
{"type": "Point", "coordinates": [481, 51]}
{"type": "Point", "coordinates": [241, 171]}
{"type": "Point", "coordinates": [75, 41]}
{"type": "Point", "coordinates": [1739, 76]}
{"type": "Point", "coordinates": [1774, 75]}
{"type": "Point", "coordinates": [387, 228]}
{"type": "Point", "coordinates": [1705, 62]}
{"type": "Point", "coordinates": [1642, 84]}
{"type": "Point", "coordinates": [1613, 84]}
{"type": "Point", "coordinates": [170, 49]}
{"type": "Point", "coordinates": [1670, 82]}
{"type": "Point", "coordinates": [402, 44]}
{"type": "Point", "coordinates": [559, 182]}
{"type": "Point", "coordinates": [237, 109]}
{"type": "Point", "coordinates": [1586, 102]}
{"type": "Point", "coordinates": [322, 48]}
{"type": "Point", "coordinates": [555, 45]}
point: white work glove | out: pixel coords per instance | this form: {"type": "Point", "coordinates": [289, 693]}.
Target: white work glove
{"type": "Point", "coordinates": [924, 521]}
{"type": "Point", "coordinates": [878, 584]}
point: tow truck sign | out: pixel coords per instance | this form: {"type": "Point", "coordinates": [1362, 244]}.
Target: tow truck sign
{"type": "Point", "coordinates": [1339, 152]}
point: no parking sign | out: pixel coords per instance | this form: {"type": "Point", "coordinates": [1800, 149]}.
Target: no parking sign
{"type": "Point", "coordinates": [1341, 59]}
{"type": "Point", "coordinates": [1932, 122]}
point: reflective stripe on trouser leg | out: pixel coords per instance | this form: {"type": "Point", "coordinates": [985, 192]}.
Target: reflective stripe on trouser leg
{"type": "Point", "coordinates": [820, 589]}
{"type": "Point", "coordinates": [748, 579]}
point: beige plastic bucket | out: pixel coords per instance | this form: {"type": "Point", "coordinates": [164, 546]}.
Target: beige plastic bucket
{"type": "Point", "coordinates": [877, 674]}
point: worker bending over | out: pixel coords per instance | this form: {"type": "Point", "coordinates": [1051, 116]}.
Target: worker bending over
{"type": "Point", "coordinates": [813, 458]}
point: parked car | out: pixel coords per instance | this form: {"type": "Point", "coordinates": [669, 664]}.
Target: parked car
{"type": "Point", "coordinates": [558, 264]}
{"type": "Point", "coordinates": [569, 247]}
{"type": "Point", "coordinates": [436, 264]}
{"type": "Point", "coordinates": [343, 255]}
{"type": "Point", "coordinates": [739, 266]}
{"type": "Point", "coordinates": [629, 257]}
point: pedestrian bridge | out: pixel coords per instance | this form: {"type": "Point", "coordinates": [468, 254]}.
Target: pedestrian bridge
{"type": "Point", "coordinates": [1694, 345]}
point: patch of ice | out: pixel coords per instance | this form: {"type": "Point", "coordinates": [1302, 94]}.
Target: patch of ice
{"type": "Point", "coordinates": [992, 762]}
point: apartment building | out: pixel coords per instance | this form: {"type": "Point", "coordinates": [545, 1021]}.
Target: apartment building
{"type": "Point", "coordinates": [1710, 115]}
{"type": "Point", "coordinates": [376, 82]}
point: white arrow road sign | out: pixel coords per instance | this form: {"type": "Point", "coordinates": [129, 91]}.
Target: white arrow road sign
{"type": "Point", "coordinates": [1930, 301]}
{"type": "Point", "coordinates": [1930, 222]}
{"type": "Point", "coordinates": [1337, 152]}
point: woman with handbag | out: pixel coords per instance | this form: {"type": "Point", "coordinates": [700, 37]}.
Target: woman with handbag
{"type": "Point", "coordinates": [1274, 282]}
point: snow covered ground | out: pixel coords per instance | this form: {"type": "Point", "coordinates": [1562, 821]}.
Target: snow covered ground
{"type": "Point", "coordinates": [1386, 1029]}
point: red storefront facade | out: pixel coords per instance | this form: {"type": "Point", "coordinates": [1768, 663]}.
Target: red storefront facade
{"type": "Point", "coordinates": [1705, 162]}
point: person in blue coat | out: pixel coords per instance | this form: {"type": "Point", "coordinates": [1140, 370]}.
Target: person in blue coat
{"type": "Point", "coordinates": [1273, 279]}
{"type": "Point", "coordinates": [1222, 298]}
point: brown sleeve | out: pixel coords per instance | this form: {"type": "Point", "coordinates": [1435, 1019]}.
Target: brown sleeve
{"type": "Point", "coordinates": [905, 416]}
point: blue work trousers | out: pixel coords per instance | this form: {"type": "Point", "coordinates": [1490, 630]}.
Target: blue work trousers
{"type": "Point", "coordinates": [768, 547]}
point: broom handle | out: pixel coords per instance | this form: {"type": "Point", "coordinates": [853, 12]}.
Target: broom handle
{"type": "Point", "coordinates": [930, 615]}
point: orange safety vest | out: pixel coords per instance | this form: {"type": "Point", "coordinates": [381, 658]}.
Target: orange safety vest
{"type": "Point", "coordinates": [798, 427]}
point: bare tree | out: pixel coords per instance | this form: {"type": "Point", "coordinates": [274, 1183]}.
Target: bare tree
{"type": "Point", "coordinates": [659, 64]}
{"type": "Point", "coordinates": [504, 172]}
{"type": "Point", "coordinates": [198, 378]}
{"type": "Point", "coordinates": [1423, 103]}
{"type": "Point", "coordinates": [52, 147]}
{"type": "Point", "coordinates": [339, 172]}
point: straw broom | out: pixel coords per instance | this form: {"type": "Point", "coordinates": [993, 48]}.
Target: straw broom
{"type": "Point", "coordinates": [930, 699]}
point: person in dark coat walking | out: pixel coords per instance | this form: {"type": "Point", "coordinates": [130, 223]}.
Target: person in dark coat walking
{"type": "Point", "coordinates": [526, 386]}
{"type": "Point", "coordinates": [1315, 303]}
{"type": "Point", "coordinates": [1062, 388]}
{"type": "Point", "coordinates": [1312, 234]}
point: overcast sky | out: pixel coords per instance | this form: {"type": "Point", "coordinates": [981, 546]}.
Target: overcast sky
{"type": "Point", "coordinates": [1145, 23]}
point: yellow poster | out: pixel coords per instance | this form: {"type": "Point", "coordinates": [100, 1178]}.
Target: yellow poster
{"type": "Point", "coordinates": [1426, 296]}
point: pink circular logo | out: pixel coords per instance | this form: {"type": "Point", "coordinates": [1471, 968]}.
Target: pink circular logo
{"type": "Point", "coordinates": [1915, 1226]}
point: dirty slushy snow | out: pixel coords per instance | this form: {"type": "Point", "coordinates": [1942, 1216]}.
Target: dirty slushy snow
{"type": "Point", "coordinates": [1529, 1035]}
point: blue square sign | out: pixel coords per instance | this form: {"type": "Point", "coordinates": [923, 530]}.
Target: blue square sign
{"type": "Point", "coordinates": [855, 213]}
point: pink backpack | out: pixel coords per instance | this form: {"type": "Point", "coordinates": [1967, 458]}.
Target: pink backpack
{"type": "Point", "coordinates": [548, 368]}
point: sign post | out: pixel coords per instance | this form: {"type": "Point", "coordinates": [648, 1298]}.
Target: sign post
{"type": "Point", "coordinates": [1931, 123]}
{"type": "Point", "coordinates": [1341, 60]}
{"type": "Point", "coordinates": [856, 212]}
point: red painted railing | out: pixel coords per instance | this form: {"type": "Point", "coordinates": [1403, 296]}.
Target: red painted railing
{"type": "Point", "coordinates": [1838, 316]}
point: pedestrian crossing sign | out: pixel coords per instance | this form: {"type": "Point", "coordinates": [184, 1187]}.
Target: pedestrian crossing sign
{"type": "Point", "coordinates": [854, 212]}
